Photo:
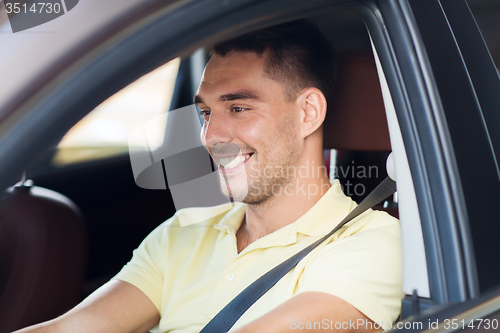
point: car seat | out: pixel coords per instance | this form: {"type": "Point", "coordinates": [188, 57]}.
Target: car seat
{"type": "Point", "coordinates": [42, 256]}
{"type": "Point", "coordinates": [356, 124]}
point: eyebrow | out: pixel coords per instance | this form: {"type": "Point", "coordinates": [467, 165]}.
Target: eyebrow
{"type": "Point", "coordinates": [197, 99]}
{"type": "Point", "coordinates": [237, 95]}
{"type": "Point", "coordinates": [242, 94]}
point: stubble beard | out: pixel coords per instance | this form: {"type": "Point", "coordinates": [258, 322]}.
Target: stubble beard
{"type": "Point", "coordinates": [261, 186]}
{"type": "Point", "coordinates": [264, 188]}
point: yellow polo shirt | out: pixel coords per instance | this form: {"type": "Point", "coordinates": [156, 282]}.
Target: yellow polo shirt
{"type": "Point", "coordinates": [190, 273]}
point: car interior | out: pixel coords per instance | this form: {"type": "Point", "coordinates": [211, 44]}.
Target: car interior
{"type": "Point", "coordinates": [67, 228]}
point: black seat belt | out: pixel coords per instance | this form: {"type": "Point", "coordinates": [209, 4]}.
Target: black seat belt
{"type": "Point", "coordinates": [225, 319]}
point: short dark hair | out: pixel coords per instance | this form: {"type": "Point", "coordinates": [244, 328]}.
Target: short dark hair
{"type": "Point", "coordinates": [298, 55]}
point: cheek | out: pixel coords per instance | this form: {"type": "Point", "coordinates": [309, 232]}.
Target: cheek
{"type": "Point", "coordinates": [289, 128]}
{"type": "Point", "coordinates": [252, 132]}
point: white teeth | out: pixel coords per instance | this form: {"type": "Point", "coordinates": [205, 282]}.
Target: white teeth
{"type": "Point", "coordinates": [231, 163]}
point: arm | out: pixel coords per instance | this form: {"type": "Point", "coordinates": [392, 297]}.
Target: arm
{"type": "Point", "coordinates": [310, 307]}
{"type": "Point", "coordinates": [115, 307]}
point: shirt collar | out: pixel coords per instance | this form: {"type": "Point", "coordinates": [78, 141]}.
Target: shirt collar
{"type": "Point", "coordinates": [329, 211]}
{"type": "Point", "coordinates": [333, 206]}
{"type": "Point", "coordinates": [231, 221]}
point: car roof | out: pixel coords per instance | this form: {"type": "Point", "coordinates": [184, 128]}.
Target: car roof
{"type": "Point", "coordinates": [40, 51]}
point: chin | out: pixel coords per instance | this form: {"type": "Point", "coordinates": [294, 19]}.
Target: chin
{"type": "Point", "coordinates": [238, 188]}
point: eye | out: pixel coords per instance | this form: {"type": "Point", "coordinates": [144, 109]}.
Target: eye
{"type": "Point", "coordinates": [205, 114]}
{"type": "Point", "coordinates": [237, 109]}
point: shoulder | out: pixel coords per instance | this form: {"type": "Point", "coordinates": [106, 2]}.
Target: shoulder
{"type": "Point", "coordinates": [374, 236]}
{"type": "Point", "coordinates": [363, 266]}
{"type": "Point", "coordinates": [372, 223]}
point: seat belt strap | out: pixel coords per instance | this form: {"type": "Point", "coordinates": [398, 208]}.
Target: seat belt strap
{"type": "Point", "coordinates": [225, 319]}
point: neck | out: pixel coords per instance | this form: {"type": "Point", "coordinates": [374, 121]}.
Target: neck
{"type": "Point", "coordinates": [279, 210]}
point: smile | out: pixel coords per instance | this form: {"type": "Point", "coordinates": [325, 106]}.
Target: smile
{"type": "Point", "coordinates": [232, 163]}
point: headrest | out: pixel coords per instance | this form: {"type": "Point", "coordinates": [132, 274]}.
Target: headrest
{"type": "Point", "coordinates": [356, 118]}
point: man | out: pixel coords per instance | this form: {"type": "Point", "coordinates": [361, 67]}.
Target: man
{"type": "Point", "coordinates": [263, 97]}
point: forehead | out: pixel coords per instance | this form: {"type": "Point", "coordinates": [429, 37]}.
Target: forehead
{"type": "Point", "coordinates": [235, 71]}
{"type": "Point", "coordinates": [244, 64]}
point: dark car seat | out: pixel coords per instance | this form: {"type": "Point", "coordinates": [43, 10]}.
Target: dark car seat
{"type": "Point", "coordinates": [356, 124]}
{"type": "Point", "coordinates": [42, 256]}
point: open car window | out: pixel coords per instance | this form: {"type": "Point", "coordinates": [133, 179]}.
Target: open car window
{"type": "Point", "coordinates": [105, 131]}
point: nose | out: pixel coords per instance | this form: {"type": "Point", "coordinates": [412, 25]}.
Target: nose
{"type": "Point", "coordinates": [217, 129]}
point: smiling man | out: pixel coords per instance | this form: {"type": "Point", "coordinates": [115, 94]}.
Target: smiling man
{"type": "Point", "coordinates": [277, 131]}
{"type": "Point", "coordinates": [264, 98]}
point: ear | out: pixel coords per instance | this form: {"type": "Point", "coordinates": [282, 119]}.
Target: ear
{"type": "Point", "coordinates": [312, 104]}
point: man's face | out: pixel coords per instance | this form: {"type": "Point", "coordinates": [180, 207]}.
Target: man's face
{"type": "Point", "coordinates": [245, 112]}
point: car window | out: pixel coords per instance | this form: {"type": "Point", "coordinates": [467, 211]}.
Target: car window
{"type": "Point", "coordinates": [104, 132]}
